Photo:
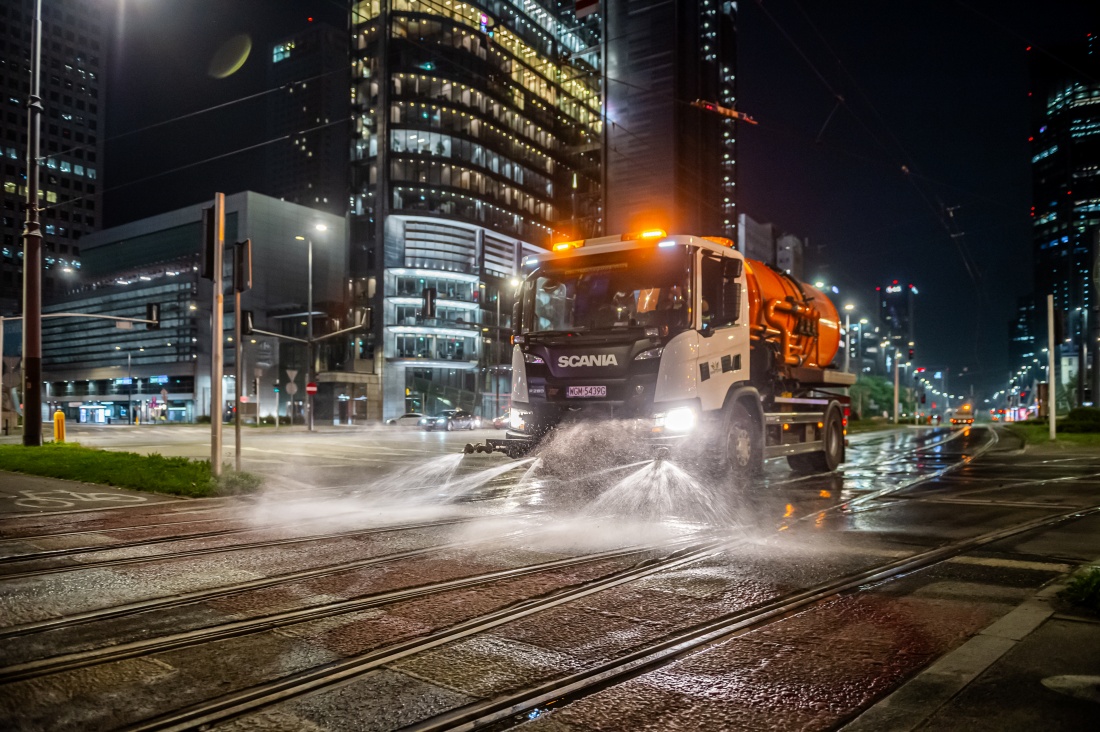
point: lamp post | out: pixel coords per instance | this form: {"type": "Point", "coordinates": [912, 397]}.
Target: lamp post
{"type": "Point", "coordinates": [848, 308]}
{"type": "Point", "coordinates": [32, 253]}
{"type": "Point", "coordinates": [309, 320]}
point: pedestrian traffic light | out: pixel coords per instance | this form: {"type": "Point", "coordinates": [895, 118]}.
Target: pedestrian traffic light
{"type": "Point", "coordinates": [209, 242]}
{"type": "Point", "coordinates": [242, 266]}
{"type": "Point", "coordinates": [152, 314]}
{"type": "Point", "coordinates": [246, 322]}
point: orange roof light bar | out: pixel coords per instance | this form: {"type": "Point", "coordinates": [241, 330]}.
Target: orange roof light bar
{"type": "Point", "coordinates": [647, 234]}
{"type": "Point", "coordinates": [562, 246]}
{"type": "Point", "coordinates": [720, 241]}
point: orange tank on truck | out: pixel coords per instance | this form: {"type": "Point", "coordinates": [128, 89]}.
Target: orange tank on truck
{"type": "Point", "coordinates": [798, 317]}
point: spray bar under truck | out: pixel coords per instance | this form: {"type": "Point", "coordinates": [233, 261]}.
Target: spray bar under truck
{"type": "Point", "coordinates": [721, 360]}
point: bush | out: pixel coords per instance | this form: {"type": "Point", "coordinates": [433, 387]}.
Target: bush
{"type": "Point", "coordinates": [232, 483]}
{"type": "Point", "coordinates": [202, 420]}
{"type": "Point", "coordinates": [1081, 419]}
{"type": "Point", "coordinates": [1083, 589]}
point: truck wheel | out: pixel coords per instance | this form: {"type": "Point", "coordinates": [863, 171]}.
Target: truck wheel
{"type": "Point", "coordinates": [742, 455]}
{"type": "Point", "coordinates": [826, 460]}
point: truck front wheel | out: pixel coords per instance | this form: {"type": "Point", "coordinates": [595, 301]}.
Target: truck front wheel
{"type": "Point", "coordinates": [742, 453]}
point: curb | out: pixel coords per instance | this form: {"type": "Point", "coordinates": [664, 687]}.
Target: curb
{"type": "Point", "coordinates": [918, 699]}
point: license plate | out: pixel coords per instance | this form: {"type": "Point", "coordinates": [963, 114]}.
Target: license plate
{"type": "Point", "coordinates": [586, 391]}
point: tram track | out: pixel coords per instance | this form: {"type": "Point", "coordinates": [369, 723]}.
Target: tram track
{"type": "Point", "coordinates": [190, 553]}
{"type": "Point", "coordinates": [510, 710]}
{"type": "Point", "coordinates": [568, 688]}
{"type": "Point", "coordinates": [147, 646]}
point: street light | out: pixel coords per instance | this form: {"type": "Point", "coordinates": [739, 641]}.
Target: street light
{"type": "Point", "coordinates": [848, 308]}
{"type": "Point", "coordinates": [309, 319]}
{"type": "Point", "coordinates": [32, 253]}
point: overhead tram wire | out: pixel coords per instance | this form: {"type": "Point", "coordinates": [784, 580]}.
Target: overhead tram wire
{"type": "Point", "coordinates": [948, 223]}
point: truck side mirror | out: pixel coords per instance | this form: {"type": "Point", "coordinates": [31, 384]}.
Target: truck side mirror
{"type": "Point", "coordinates": [731, 290]}
{"type": "Point", "coordinates": [517, 312]}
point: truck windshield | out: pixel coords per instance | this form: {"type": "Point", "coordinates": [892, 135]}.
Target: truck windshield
{"type": "Point", "coordinates": [636, 288]}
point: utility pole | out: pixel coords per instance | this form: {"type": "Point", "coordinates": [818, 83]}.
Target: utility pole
{"type": "Point", "coordinates": [897, 357]}
{"type": "Point", "coordinates": [217, 337]}
{"type": "Point", "coordinates": [1052, 391]}
{"type": "Point", "coordinates": [32, 253]}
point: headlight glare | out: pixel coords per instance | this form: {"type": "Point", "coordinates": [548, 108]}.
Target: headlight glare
{"type": "Point", "coordinates": [680, 419]}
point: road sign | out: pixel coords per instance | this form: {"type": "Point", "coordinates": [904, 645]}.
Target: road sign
{"type": "Point", "coordinates": [291, 374]}
{"type": "Point", "coordinates": [311, 388]}
{"type": "Point", "coordinates": [292, 388]}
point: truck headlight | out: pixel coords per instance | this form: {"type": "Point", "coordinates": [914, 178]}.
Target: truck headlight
{"type": "Point", "coordinates": [651, 353]}
{"type": "Point", "coordinates": [532, 358]}
{"type": "Point", "coordinates": [678, 419]}
{"type": "Point", "coordinates": [515, 419]}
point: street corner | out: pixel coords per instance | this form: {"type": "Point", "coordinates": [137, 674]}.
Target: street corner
{"type": "Point", "coordinates": [31, 494]}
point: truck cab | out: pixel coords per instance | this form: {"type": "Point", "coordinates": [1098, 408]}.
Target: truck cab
{"type": "Point", "coordinates": [680, 340]}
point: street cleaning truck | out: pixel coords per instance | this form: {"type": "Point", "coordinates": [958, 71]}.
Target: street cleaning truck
{"type": "Point", "coordinates": [683, 343]}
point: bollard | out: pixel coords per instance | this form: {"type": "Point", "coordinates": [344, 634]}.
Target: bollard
{"type": "Point", "coordinates": [58, 426]}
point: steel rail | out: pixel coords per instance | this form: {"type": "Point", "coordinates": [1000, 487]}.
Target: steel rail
{"type": "Point", "coordinates": [504, 711]}
{"type": "Point", "coordinates": [147, 646]}
{"type": "Point", "coordinates": [187, 598]}
{"type": "Point", "coordinates": [265, 694]}
{"type": "Point", "coordinates": [189, 553]}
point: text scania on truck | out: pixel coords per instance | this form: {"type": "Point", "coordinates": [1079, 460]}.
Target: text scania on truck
{"type": "Point", "coordinates": [686, 343]}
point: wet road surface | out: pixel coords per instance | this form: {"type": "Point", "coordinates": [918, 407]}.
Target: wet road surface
{"type": "Point", "coordinates": [563, 593]}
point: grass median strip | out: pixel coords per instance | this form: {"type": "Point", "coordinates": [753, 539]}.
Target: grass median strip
{"type": "Point", "coordinates": [156, 473]}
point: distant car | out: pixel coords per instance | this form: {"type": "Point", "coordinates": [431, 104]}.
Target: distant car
{"type": "Point", "coordinates": [450, 419]}
{"type": "Point", "coordinates": [409, 419]}
{"type": "Point", "coordinates": [501, 422]}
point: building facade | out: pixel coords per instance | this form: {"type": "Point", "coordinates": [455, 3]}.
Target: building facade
{"type": "Point", "coordinates": [312, 113]}
{"type": "Point", "coordinates": [476, 140]}
{"type": "Point", "coordinates": [75, 37]}
{"type": "Point", "coordinates": [1065, 164]}
{"type": "Point", "coordinates": [97, 372]}
{"type": "Point", "coordinates": [669, 164]}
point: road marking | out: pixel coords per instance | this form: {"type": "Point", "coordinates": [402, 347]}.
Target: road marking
{"type": "Point", "coordinates": [1058, 567]}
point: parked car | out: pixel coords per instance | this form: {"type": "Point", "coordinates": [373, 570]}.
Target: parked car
{"type": "Point", "coordinates": [409, 419]}
{"type": "Point", "coordinates": [450, 419]}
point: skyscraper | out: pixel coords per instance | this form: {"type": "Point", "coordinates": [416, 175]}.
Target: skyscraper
{"type": "Point", "coordinates": [670, 164]}
{"type": "Point", "coordinates": [476, 141]}
{"type": "Point", "coordinates": [74, 47]}
{"type": "Point", "coordinates": [1065, 97]}
{"type": "Point", "coordinates": [311, 109]}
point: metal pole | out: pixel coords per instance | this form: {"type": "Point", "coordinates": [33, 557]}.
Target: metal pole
{"type": "Point", "coordinates": [496, 364]}
{"type": "Point", "coordinates": [32, 253]}
{"type": "Point", "coordinates": [847, 342]}
{"type": "Point", "coordinates": [1052, 390]}
{"type": "Point", "coordinates": [1083, 367]}
{"type": "Point", "coordinates": [2, 423]}
{"type": "Point", "coordinates": [217, 344]}
{"type": "Point", "coordinates": [897, 355]}
{"type": "Point", "coordinates": [309, 330]}
{"type": "Point", "coordinates": [129, 391]}
{"type": "Point", "coordinates": [238, 357]}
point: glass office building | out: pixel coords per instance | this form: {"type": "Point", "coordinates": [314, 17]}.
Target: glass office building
{"type": "Point", "coordinates": [476, 141]}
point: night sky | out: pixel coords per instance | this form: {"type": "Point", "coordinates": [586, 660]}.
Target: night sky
{"type": "Point", "coordinates": [937, 87]}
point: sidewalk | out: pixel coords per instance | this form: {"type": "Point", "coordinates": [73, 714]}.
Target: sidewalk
{"type": "Point", "coordinates": [1037, 668]}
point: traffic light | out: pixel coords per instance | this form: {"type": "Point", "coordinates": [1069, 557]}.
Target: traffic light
{"type": "Point", "coordinates": [427, 309]}
{"type": "Point", "coordinates": [242, 266]}
{"type": "Point", "coordinates": [209, 242]}
{"type": "Point", "coordinates": [276, 387]}
{"type": "Point", "coordinates": [256, 385]}
{"type": "Point", "coordinates": [911, 352]}
{"type": "Point", "coordinates": [246, 322]}
{"type": "Point", "coordinates": [152, 314]}
{"type": "Point", "coordinates": [923, 398]}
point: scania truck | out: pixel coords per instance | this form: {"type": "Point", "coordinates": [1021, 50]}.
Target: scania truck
{"type": "Point", "coordinates": [685, 344]}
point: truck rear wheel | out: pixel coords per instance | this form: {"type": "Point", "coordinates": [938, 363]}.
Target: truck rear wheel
{"type": "Point", "coordinates": [827, 459]}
